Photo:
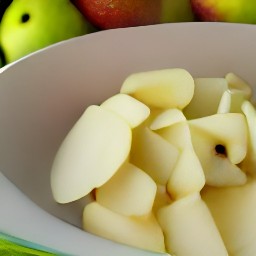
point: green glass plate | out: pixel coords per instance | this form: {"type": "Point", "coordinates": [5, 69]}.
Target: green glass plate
{"type": "Point", "coordinates": [13, 246]}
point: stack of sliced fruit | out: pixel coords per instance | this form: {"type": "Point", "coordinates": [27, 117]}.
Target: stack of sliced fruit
{"type": "Point", "coordinates": [171, 163]}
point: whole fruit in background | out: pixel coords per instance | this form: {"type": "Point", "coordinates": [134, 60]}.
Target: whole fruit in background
{"type": "Point", "coordinates": [29, 25]}
{"type": "Point", "coordinates": [237, 11]}
{"type": "Point", "coordinates": [108, 14]}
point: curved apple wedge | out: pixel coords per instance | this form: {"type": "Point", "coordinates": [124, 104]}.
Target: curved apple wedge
{"type": "Point", "coordinates": [231, 101]}
{"type": "Point", "coordinates": [130, 192]}
{"type": "Point", "coordinates": [235, 82]}
{"type": "Point", "coordinates": [234, 211]}
{"type": "Point", "coordinates": [166, 88]}
{"type": "Point", "coordinates": [190, 229]}
{"type": "Point", "coordinates": [142, 232]}
{"type": "Point", "coordinates": [187, 176]}
{"type": "Point", "coordinates": [94, 149]}
{"type": "Point", "coordinates": [132, 110]}
{"type": "Point", "coordinates": [249, 163]}
{"type": "Point", "coordinates": [211, 151]}
{"type": "Point", "coordinates": [229, 130]}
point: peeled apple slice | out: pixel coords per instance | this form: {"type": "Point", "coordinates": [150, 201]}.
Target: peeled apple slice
{"type": "Point", "coordinates": [153, 154]}
{"type": "Point", "coordinates": [177, 134]}
{"type": "Point", "coordinates": [231, 101]}
{"type": "Point", "coordinates": [249, 163]}
{"type": "Point", "coordinates": [142, 232]}
{"type": "Point", "coordinates": [235, 82]}
{"type": "Point", "coordinates": [91, 153]}
{"type": "Point", "coordinates": [166, 88]}
{"type": "Point", "coordinates": [187, 176]}
{"type": "Point", "coordinates": [190, 229]}
{"type": "Point", "coordinates": [208, 92]}
{"type": "Point", "coordinates": [167, 118]}
{"type": "Point", "coordinates": [130, 192]}
{"type": "Point", "coordinates": [234, 211]}
{"type": "Point", "coordinates": [132, 110]}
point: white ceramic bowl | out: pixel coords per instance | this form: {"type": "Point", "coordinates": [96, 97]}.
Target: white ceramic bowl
{"type": "Point", "coordinates": [43, 94]}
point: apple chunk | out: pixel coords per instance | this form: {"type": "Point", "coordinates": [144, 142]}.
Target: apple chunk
{"type": "Point", "coordinates": [237, 83]}
{"type": "Point", "coordinates": [142, 232]}
{"type": "Point", "coordinates": [187, 176]}
{"type": "Point", "coordinates": [167, 118]}
{"type": "Point", "coordinates": [129, 192]}
{"type": "Point", "coordinates": [190, 229]}
{"type": "Point", "coordinates": [132, 110]}
{"type": "Point", "coordinates": [234, 211]}
{"type": "Point", "coordinates": [177, 134]}
{"type": "Point", "coordinates": [94, 149]}
{"type": "Point", "coordinates": [249, 163]}
{"type": "Point", "coordinates": [212, 150]}
{"type": "Point", "coordinates": [208, 92]}
{"type": "Point", "coordinates": [231, 101]}
{"type": "Point", "coordinates": [166, 88]}
{"type": "Point", "coordinates": [229, 129]}
{"type": "Point", "coordinates": [153, 154]}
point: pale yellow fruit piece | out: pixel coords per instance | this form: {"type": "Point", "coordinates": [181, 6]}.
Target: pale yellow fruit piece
{"type": "Point", "coordinates": [187, 176]}
{"type": "Point", "coordinates": [228, 129]}
{"type": "Point", "coordinates": [132, 110]}
{"type": "Point", "coordinates": [129, 192]}
{"type": "Point", "coordinates": [142, 232]}
{"type": "Point", "coordinates": [249, 163]}
{"type": "Point", "coordinates": [94, 149]}
{"type": "Point", "coordinates": [189, 228]}
{"type": "Point", "coordinates": [207, 95]}
{"type": "Point", "coordinates": [166, 88]}
{"type": "Point", "coordinates": [211, 151]}
{"type": "Point", "coordinates": [236, 82]}
{"type": "Point", "coordinates": [234, 211]}
{"type": "Point", "coordinates": [177, 134]}
{"type": "Point", "coordinates": [153, 154]}
{"type": "Point", "coordinates": [162, 198]}
{"type": "Point", "coordinates": [231, 101]}
{"type": "Point", "coordinates": [167, 118]}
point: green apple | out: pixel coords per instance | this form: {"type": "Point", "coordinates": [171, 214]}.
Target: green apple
{"type": "Point", "coordinates": [239, 11]}
{"type": "Point", "coordinates": [29, 25]}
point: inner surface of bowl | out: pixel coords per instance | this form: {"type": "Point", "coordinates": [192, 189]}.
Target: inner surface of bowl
{"type": "Point", "coordinates": [44, 94]}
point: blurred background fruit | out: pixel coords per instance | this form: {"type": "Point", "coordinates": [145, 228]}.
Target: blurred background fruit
{"type": "Point", "coordinates": [238, 11]}
{"type": "Point", "coordinates": [29, 25]}
{"type": "Point", "coordinates": [107, 14]}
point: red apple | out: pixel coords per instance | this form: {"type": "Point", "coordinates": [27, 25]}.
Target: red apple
{"type": "Point", "coordinates": [108, 14]}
